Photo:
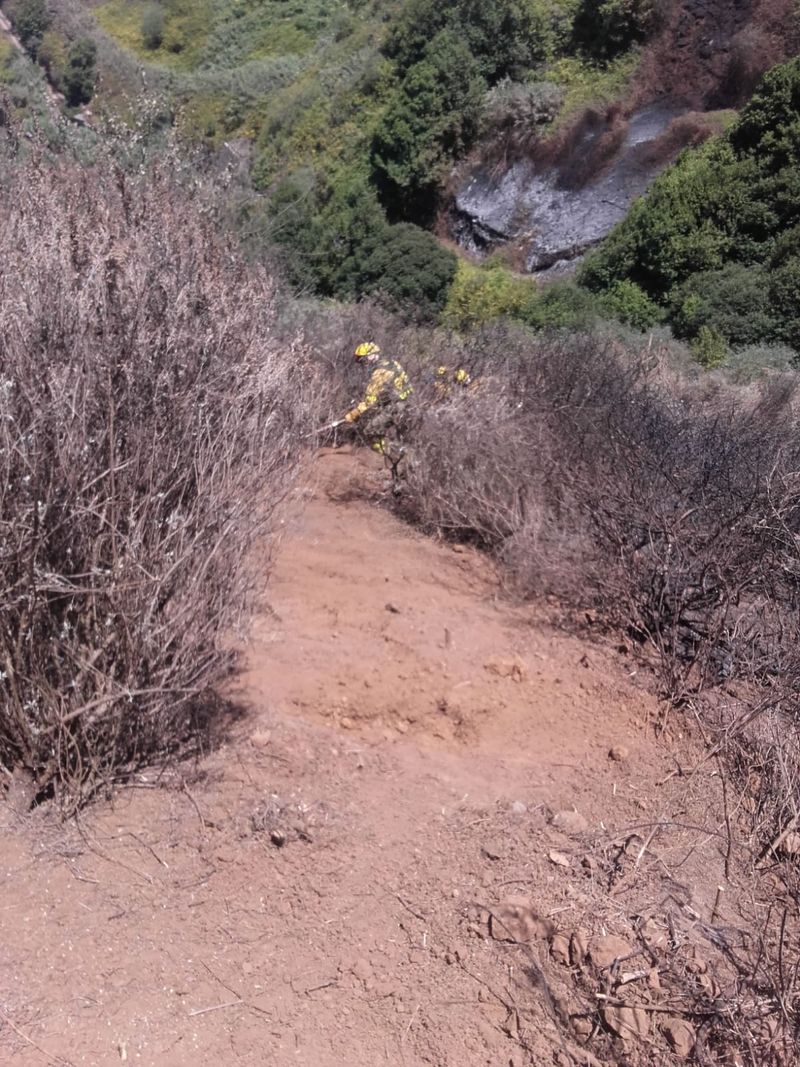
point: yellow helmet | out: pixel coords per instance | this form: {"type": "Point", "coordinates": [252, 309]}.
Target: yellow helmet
{"type": "Point", "coordinates": [462, 376]}
{"type": "Point", "coordinates": [368, 348]}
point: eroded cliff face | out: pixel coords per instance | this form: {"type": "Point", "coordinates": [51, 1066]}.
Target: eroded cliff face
{"type": "Point", "coordinates": [555, 198]}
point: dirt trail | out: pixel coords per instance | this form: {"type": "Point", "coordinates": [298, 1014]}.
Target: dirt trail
{"type": "Point", "coordinates": [320, 894]}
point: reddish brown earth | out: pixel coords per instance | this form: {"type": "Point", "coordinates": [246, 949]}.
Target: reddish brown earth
{"type": "Point", "coordinates": [331, 887]}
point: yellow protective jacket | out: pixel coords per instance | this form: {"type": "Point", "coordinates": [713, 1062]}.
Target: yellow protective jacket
{"type": "Point", "coordinates": [388, 381]}
{"type": "Point", "coordinates": [446, 379]}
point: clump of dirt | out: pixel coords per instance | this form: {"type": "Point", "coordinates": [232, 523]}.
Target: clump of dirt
{"type": "Point", "coordinates": [444, 835]}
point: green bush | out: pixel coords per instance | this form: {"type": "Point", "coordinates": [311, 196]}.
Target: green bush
{"type": "Point", "coordinates": [411, 270]}
{"type": "Point", "coordinates": [31, 22]}
{"type": "Point", "coordinates": [80, 72]}
{"type": "Point", "coordinates": [734, 301]}
{"type": "Point", "coordinates": [715, 241]}
{"type": "Point", "coordinates": [515, 108]}
{"type": "Point", "coordinates": [483, 294]}
{"type": "Point", "coordinates": [709, 348]}
{"type": "Point", "coordinates": [750, 362]}
{"type": "Point", "coordinates": [628, 303]}
{"type": "Point", "coordinates": [562, 305]}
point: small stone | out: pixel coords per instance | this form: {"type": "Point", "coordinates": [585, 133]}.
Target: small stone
{"type": "Point", "coordinates": [604, 951]}
{"type": "Point", "coordinates": [680, 1037]}
{"type": "Point", "coordinates": [346, 724]}
{"type": "Point", "coordinates": [708, 985]}
{"type": "Point", "coordinates": [696, 964]}
{"type": "Point", "coordinates": [492, 850]}
{"type": "Point", "coordinates": [579, 947]}
{"type": "Point", "coordinates": [518, 808]}
{"type": "Point", "coordinates": [558, 858]}
{"type": "Point", "coordinates": [392, 608]}
{"type": "Point", "coordinates": [505, 667]}
{"type": "Point", "coordinates": [618, 753]}
{"type": "Point", "coordinates": [278, 838]}
{"type": "Point", "coordinates": [516, 920]}
{"type": "Point", "coordinates": [628, 1023]}
{"type": "Point", "coordinates": [459, 550]}
{"type": "Point", "coordinates": [559, 948]}
{"type": "Point", "coordinates": [455, 954]}
{"type": "Point", "coordinates": [654, 979]}
{"type": "Point", "coordinates": [401, 726]}
{"type": "Point", "coordinates": [261, 738]}
{"type": "Point", "coordinates": [655, 936]}
{"type": "Point", "coordinates": [362, 969]}
{"type": "Point", "coordinates": [582, 1027]}
{"type": "Point", "coordinates": [571, 822]}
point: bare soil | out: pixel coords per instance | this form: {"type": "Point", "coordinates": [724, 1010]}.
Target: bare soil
{"type": "Point", "coordinates": [404, 854]}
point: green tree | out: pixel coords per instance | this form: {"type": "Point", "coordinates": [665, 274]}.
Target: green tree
{"type": "Point", "coordinates": [153, 27]}
{"type": "Point", "coordinates": [410, 268]}
{"type": "Point", "coordinates": [605, 28]}
{"type": "Point", "coordinates": [784, 287]}
{"type": "Point", "coordinates": [31, 21]}
{"type": "Point", "coordinates": [733, 301]}
{"type": "Point", "coordinates": [80, 72]}
{"type": "Point", "coordinates": [431, 120]}
{"type": "Point", "coordinates": [325, 230]}
{"type": "Point", "coordinates": [506, 37]}
{"type": "Point", "coordinates": [627, 302]}
{"type": "Point", "coordinates": [709, 348]}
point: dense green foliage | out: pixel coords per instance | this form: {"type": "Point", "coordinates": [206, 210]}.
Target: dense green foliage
{"type": "Point", "coordinates": [604, 28]}
{"type": "Point", "coordinates": [31, 21]}
{"type": "Point", "coordinates": [716, 242]}
{"type": "Point", "coordinates": [431, 120]}
{"type": "Point", "coordinates": [507, 37]}
{"type": "Point", "coordinates": [333, 239]}
{"type": "Point", "coordinates": [80, 72]}
{"type": "Point", "coordinates": [358, 111]}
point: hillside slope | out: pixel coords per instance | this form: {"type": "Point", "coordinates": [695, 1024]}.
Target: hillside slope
{"type": "Point", "coordinates": [414, 849]}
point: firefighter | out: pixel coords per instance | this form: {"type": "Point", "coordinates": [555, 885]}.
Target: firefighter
{"type": "Point", "coordinates": [382, 413]}
{"type": "Point", "coordinates": [446, 379]}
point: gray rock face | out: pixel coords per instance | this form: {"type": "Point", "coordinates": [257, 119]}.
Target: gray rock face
{"type": "Point", "coordinates": [555, 216]}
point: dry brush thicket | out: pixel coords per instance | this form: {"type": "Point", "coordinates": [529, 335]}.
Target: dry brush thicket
{"type": "Point", "coordinates": [671, 508]}
{"type": "Point", "coordinates": [148, 432]}
{"type": "Point", "coordinates": [669, 505]}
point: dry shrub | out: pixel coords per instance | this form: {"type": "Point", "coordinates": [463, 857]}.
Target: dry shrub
{"type": "Point", "coordinates": [597, 474]}
{"type": "Point", "coordinates": [672, 508]}
{"type": "Point", "coordinates": [148, 425]}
